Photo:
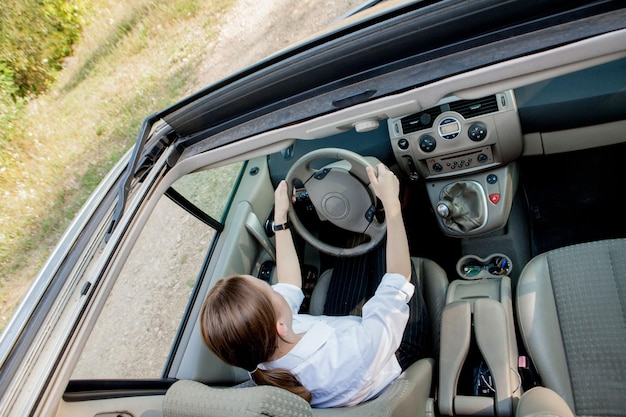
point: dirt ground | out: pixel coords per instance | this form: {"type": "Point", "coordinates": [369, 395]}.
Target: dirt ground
{"type": "Point", "coordinates": [255, 29]}
{"type": "Point", "coordinates": [142, 323]}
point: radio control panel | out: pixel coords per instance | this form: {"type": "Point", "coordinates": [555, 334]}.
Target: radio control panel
{"type": "Point", "coordinates": [481, 157]}
{"type": "Point", "coordinates": [458, 136]}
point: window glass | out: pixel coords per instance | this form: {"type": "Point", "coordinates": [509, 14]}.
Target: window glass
{"type": "Point", "coordinates": [140, 320]}
{"type": "Point", "coordinates": [210, 190]}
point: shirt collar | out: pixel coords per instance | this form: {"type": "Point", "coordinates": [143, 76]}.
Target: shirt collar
{"type": "Point", "coordinates": [312, 340]}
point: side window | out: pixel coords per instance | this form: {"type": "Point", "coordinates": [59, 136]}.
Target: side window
{"type": "Point", "coordinates": [210, 190]}
{"type": "Point", "coordinates": [140, 320]}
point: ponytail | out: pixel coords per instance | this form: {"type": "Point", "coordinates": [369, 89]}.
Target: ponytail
{"type": "Point", "coordinates": [281, 378]}
{"type": "Point", "coordinates": [238, 324]}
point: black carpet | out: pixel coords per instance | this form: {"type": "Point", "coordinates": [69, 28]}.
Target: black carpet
{"type": "Point", "coordinates": [575, 197]}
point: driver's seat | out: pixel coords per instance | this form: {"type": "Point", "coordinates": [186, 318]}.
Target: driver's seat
{"type": "Point", "coordinates": [407, 395]}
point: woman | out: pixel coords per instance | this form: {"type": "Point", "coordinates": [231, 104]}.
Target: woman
{"type": "Point", "coordinates": [329, 361]}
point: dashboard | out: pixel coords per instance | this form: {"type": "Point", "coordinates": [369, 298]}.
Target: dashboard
{"type": "Point", "coordinates": [466, 150]}
{"type": "Point", "coordinates": [458, 137]}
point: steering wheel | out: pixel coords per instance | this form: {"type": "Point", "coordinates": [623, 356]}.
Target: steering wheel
{"type": "Point", "coordinates": [341, 194]}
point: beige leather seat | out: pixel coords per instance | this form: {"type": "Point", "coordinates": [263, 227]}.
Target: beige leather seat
{"type": "Point", "coordinates": [571, 306]}
{"type": "Point", "coordinates": [407, 396]}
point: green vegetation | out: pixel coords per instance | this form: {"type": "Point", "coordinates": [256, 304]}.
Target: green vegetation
{"type": "Point", "coordinates": [133, 58]}
{"type": "Point", "coordinates": [36, 36]}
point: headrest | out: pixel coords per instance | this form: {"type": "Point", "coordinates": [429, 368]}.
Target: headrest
{"type": "Point", "coordinates": [188, 398]}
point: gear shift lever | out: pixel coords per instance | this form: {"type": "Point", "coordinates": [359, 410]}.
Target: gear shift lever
{"type": "Point", "coordinates": [462, 206]}
{"type": "Point", "coordinates": [444, 209]}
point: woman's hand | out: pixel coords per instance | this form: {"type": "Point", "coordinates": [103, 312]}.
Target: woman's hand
{"type": "Point", "coordinates": [281, 203]}
{"type": "Point", "coordinates": [386, 186]}
{"type": "Point", "coordinates": [287, 262]}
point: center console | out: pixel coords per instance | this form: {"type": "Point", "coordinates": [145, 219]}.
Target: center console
{"type": "Point", "coordinates": [475, 204]}
{"type": "Point", "coordinates": [465, 150]}
{"type": "Point", "coordinates": [478, 343]}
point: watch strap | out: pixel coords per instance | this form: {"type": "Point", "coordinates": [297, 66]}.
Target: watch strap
{"type": "Point", "coordinates": [278, 227]}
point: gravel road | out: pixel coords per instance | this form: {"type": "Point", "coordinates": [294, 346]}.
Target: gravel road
{"type": "Point", "coordinates": [255, 29]}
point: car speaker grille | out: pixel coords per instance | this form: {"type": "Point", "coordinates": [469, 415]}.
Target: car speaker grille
{"type": "Point", "coordinates": [473, 108]}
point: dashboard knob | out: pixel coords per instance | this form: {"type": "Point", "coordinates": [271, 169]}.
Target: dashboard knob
{"type": "Point", "coordinates": [477, 132]}
{"type": "Point", "coordinates": [403, 144]}
{"type": "Point", "coordinates": [427, 143]}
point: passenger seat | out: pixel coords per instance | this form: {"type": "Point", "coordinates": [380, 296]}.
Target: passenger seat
{"type": "Point", "coordinates": [571, 307]}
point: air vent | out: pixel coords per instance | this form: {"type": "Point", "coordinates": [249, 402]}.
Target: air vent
{"type": "Point", "coordinates": [473, 108]}
{"type": "Point", "coordinates": [420, 121]}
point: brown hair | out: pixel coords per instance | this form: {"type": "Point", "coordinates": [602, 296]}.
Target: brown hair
{"type": "Point", "coordinates": [238, 323]}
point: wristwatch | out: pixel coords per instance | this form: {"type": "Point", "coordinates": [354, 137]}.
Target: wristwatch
{"type": "Point", "coordinates": [277, 227]}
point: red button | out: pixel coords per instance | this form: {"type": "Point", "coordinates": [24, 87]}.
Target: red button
{"type": "Point", "coordinates": [494, 198]}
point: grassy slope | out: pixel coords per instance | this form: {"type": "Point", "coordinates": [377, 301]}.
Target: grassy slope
{"type": "Point", "coordinates": [134, 58]}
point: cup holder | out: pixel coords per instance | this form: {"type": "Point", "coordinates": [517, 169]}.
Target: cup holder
{"type": "Point", "coordinates": [494, 266]}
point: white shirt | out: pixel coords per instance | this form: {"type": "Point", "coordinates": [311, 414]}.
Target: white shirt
{"type": "Point", "coordinates": [346, 360]}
